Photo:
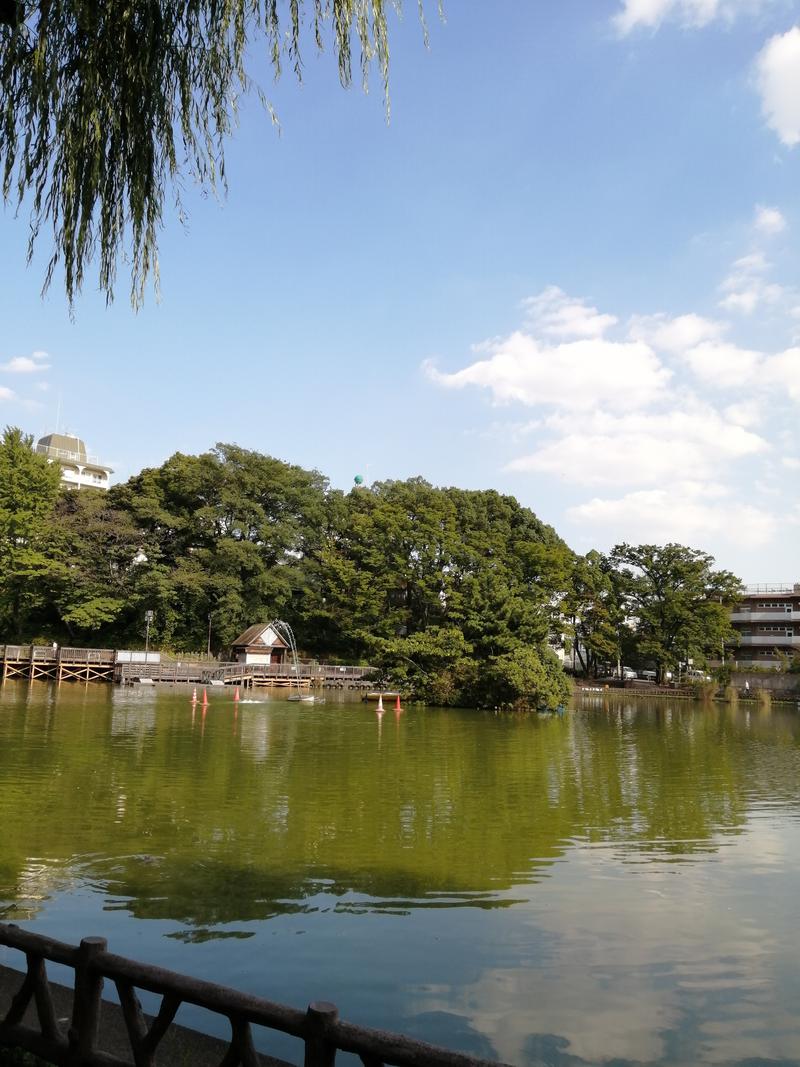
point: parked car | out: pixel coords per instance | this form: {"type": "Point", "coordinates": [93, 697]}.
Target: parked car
{"type": "Point", "coordinates": [628, 673]}
{"type": "Point", "coordinates": [649, 676]}
{"type": "Point", "coordinates": [696, 675]}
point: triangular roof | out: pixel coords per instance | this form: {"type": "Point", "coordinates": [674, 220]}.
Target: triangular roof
{"type": "Point", "coordinates": [262, 633]}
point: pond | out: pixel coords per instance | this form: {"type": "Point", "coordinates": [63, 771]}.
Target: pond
{"type": "Point", "coordinates": [615, 886]}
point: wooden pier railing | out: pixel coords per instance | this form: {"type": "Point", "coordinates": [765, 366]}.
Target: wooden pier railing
{"type": "Point", "coordinates": [319, 1027]}
{"type": "Point", "coordinates": [54, 663]}
{"type": "Point", "coordinates": [40, 662]}
{"type": "Point", "coordinates": [248, 674]}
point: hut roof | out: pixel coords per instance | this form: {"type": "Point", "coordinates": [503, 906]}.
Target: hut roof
{"type": "Point", "coordinates": [63, 442]}
{"type": "Point", "coordinates": [261, 633]}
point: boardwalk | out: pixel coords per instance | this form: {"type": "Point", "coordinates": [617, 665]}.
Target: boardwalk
{"type": "Point", "coordinates": [50, 663]}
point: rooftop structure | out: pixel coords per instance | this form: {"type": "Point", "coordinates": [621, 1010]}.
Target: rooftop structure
{"type": "Point", "coordinates": [259, 644]}
{"type": "Point", "coordinates": [767, 619]}
{"type": "Point", "coordinates": [79, 470]}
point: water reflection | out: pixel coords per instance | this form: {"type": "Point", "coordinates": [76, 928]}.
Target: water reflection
{"type": "Point", "coordinates": [617, 885]}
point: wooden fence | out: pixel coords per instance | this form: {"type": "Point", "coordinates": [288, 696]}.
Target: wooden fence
{"type": "Point", "coordinates": [43, 662]}
{"type": "Point", "coordinates": [54, 663]}
{"type": "Point", "coordinates": [245, 674]}
{"type": "Point", "coordinates": [319, 1027]}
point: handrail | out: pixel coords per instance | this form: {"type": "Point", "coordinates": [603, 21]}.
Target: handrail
{"type": "Point", "coordinates": [779, 587]}
{"type": "Point", "coordinates": [84, 458]}
{"type": "Point", "coordinates": [318, 1027]}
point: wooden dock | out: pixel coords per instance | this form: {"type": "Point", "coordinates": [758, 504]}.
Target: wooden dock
{"type": "Point", "coordinates": [51, 663]}
{"type": "Point", "coordinates": [250, 675]}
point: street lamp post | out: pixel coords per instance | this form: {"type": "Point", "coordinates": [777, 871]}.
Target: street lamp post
{"type": "Point", "coordinates": [148, 618]}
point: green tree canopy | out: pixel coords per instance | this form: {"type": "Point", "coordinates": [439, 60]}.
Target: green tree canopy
{"type": "Point", "coordinates": [449, 591]}
{"type": "Point", "coordinates": [108, 106]}
{"type": "Point", "coordinates": [224, 534]}
{"type": "Point", "coordinates": [593, 612]}
{"type": "Point", "coordinates": [678, 605]}
{"type": "Point", "coordinates": [29, 486]}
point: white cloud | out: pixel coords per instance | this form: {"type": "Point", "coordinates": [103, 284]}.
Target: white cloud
{"type": "Point", "coordinates": [783, 372]}
{"type": "Point", "coordinates": [724, 365]}
{"type": "Point", "coordinates": [769, 221]}
{"type": "Point", "coordinates": [26, 364]}
{"type": "Point", "coordinates": [555, 314]}
{"type": "Point", "coordinates": [778, 83]}
{"type": "Point", "coordinates": [675, 335]}
{"type": "Point", "coordinates": [577, 375]}
{"type": "Point", "coordinates": [744, 413]}
{"type": "Point", "coordinates": [561, 360]}
{"type": "Point", "coordinates": [746, 286]}
{"type": "Point", "coordinates": [691, 513]}
{"type": "Point", "coordinates": [626, 413]}
{"type": "Point", "coordinates": [6, 394]}
{"type": "Point", "coordinates": [649, 14]}
{"type": "Point", "coordinates": [641, 449]}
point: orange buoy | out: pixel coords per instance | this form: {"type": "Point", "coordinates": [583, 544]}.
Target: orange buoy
{"type": "Point", "coordinates": [205, 698]}
{"type": "Point", "coordinates": [397, 704]}
{"type": "Point", "coordinates": [236, 694]}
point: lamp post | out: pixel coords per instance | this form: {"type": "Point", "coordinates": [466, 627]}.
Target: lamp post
{"type": "Point", "coordinates": [148, 618]}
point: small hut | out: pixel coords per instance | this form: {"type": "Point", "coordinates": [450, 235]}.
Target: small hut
{"type": "Point", "coordinates": [259, 644]}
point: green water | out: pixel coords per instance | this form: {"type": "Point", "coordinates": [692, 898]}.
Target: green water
{"type": "Point", "coordinates": [618, 886]}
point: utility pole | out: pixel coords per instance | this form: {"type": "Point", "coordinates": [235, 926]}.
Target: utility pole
{"type": "Point", "coordinates": [148, 618]}
{"type": "Point", "coordinates": [208, 645]}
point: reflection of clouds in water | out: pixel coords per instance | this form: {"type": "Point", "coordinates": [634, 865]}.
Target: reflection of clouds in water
{"type": "Point", "coordinates": [254, 732]}
{"type": "Point", "coordinates": [646, 964]}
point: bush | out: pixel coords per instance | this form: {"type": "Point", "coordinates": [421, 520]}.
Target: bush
{"type": "Point", "coordinates": [525, 678]}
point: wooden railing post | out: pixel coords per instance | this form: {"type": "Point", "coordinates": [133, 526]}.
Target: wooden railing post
{"type": "Point", "coordinates": [85, 1026]}
{"type": "Point", "coordinates": [320, 1052]}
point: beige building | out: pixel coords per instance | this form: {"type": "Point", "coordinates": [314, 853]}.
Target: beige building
{"type": "Point", "coordinates": [79, 470]}
{"type": "Point", "coordinates": [767, 619]}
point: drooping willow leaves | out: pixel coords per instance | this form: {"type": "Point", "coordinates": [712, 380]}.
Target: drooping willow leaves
{"type": "Point", "coordinates": [107, 105]}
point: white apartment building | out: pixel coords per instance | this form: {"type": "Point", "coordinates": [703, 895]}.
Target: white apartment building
{"type": "Point", "coordinates": [79, 470]}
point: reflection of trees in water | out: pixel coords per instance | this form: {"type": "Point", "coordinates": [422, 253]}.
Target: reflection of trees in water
{"type": "Point", "coordinates": [233, 820]}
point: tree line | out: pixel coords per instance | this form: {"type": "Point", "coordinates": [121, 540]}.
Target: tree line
{"type": "Point", "coordinates": [457, 595]}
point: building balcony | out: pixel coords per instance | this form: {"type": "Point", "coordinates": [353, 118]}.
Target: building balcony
{"type": "Point", "coordinates": [63, 453]}
{"type": "Point", "coordinates": [770, 640]}
{"type": "Point", "coordinates": [767, 615]}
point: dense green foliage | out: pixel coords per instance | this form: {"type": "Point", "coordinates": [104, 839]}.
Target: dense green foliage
{"type": "Point", "coordinates": [107, 108]}
{"type": "Point", "coordinates": [29, 487]}
{"type": "Point", "coordinates": [449, 592]}
{"type": "Point", "coordinates": [678, 605]}
{"type": "Point", "coordinates": [457, 596]}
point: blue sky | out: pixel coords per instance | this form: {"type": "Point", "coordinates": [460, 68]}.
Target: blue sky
{"type": "Point", "coordinates": [566, 269]}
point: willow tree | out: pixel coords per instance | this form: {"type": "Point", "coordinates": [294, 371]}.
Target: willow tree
{"type": "Point", "coordinates": [108, 107]}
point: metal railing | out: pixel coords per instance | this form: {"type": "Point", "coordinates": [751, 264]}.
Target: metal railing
{"type": "Point", "coordinates": [87, 655]}
{"type": "Point", "coordinates": [64, 453]}
{"type": "Point", "coordinates": [780, 587]}
{"type": "Point", "coordinates": [319, 1027]}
